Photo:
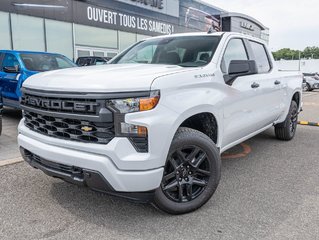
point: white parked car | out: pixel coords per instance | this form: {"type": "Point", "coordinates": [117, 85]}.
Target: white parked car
{"type": "Point", "coordinates": [152, 124]}
{"type": "Point", "coordinates": [310, 82]}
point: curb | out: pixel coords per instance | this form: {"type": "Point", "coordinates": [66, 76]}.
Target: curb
{"type": "Point", "coordinates": [309, 123]}
{"type": "Point", "coordinates": [10, 161]}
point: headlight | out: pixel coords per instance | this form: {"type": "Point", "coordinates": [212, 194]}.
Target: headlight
{"type": "Point", "coordinates": [130, 105]}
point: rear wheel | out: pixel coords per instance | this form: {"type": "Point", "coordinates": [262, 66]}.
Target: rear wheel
{"type": "Point", "coordinates": [191, 173]}
{"type": "Point", "coordinates": [287, 130]}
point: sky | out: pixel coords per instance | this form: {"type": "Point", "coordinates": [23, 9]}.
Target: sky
{"type": "Point", "coordinates": [293, 23]}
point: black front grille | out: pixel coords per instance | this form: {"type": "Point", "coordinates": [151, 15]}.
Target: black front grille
{"type": "Point", "coordinates": [140, 144]}
{"type": "Point", "coordinates": [70, 129]}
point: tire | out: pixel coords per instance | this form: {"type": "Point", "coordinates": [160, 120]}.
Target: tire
{"type": "Point", "coordinates": [286, 131]}
{"type": "Point", "coordinates": [307, 87]}
{"type": "Point", "coordinates": [191, 174]}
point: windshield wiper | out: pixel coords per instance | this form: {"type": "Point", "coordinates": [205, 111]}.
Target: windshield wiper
{"type": "Point", "coordinates": [188, 65]}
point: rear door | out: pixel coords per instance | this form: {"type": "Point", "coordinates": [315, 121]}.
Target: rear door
{"type": "Point", "coordinates": [9, 81]}
{"type": "Point", "coordinates": [272, 88]}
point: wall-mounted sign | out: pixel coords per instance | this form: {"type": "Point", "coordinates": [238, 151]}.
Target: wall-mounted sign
{"type": "Point", "coordinates": [153, 3]}
{"type": "Point", "coordinates": [168, 7]}
{"type": "Point", "coordinates": [247, 26]}
{"type": "Point", "coordinates": [127, 22]}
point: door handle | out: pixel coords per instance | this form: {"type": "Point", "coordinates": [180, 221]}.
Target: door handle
{"type": "Point", "coordinates": [277, 82]}
{"type": "Point", "coordinates": [255, 85]}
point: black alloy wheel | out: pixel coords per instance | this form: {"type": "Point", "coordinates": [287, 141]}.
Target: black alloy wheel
{"type": "Point", "coordinates": [186, 174]}
{"type": "Point", "coordinates": [293, 120]}
{"type": "Point", "coordinates": [191, 173]}
{"type": "Point", "coordinates": [287, 130]}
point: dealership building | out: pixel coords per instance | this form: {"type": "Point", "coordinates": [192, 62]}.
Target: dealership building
{"type": "Point", "coordinates": [105, 27]}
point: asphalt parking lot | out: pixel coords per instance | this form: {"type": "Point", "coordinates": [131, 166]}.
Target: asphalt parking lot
{"type": "Point", "coordinates": [269, 190]}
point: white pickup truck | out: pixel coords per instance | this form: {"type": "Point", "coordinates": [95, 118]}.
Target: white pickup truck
{"type": "Point", "coordinates": [152, 124]}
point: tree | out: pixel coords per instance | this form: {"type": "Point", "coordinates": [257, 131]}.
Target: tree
{"type": "Point", "coordinates": [290, 54]}
{"type": "Point", "coordinates": [311, 52]}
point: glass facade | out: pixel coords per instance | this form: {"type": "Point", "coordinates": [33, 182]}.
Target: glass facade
{"type": "Point", "coordinates": [140, 37]}
{"type": "Point", "coordinates": [95, 37]}
{"type": "Point", "coordinates": [99, 28]}
{"type": "Point", "coordinates": [5, 41]}
{"type": "Point", "coordinates": [27, 33]}
{"type": "Point", "coordinates": [39, 34]}
{"type": "Point", "coordinates": [55, 43]}
{"type": "Point", "coordinates": [126, 39]}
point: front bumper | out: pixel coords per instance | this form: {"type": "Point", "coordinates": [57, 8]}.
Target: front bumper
{"type": "Point", "coordinates": [79, 176]}
{"type": "Point", "coordinates": [119, 180]}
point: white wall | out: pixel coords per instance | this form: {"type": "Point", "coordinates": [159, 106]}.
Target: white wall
{"type": "Point", "coordinates": [306, 66]}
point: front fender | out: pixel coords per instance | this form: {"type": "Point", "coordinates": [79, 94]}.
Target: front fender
{"type": "Point", "coordinates": [205, 108]}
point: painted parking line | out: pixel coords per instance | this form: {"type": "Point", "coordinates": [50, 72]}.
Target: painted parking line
{"type": "Point", "coordinates": [310, 104]}
{"type": "Point", "coordinates": [314, 124]}
{"type": "Point", "coordinates": [309, 94]}
{"type": "Point", "coordinates": [246, 149]}
{"type": "Point", "coordinates": [10, 161]}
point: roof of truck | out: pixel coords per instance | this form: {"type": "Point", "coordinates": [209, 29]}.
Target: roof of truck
{"type": "Point", "coordinates": [208, 34]}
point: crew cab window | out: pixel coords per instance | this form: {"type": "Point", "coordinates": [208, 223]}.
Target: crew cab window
{"type": "Point", "coordinates": [235, 50]}
{"type": "Point", "coordinates": [261, 57]}
{"type": "Point", "coordinates": [10, 61]}
{"type": "Point", "coordinates": [41, 62]}
{"type": "Point", "coordinates": [145, 55]}
{"type": "Point", "coordinates": [1, 60]}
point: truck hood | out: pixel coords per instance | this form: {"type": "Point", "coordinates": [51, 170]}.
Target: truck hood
{"type": "Point", "coordinates": [105, 78]}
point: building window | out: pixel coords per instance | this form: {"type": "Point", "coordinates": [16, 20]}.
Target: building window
{"type": "Point", "coordinates": [95, 37]}
{"type": "Point", "coordinates": [5, 42]}
{"type": "Point", "coordinates": [140, 37]}
{"type": "Point", "coordinates": [56, 43]}
{"type": "Point", "coordinates": [27, 33]}
{"type": "Point", "coordinates": [126, 39]}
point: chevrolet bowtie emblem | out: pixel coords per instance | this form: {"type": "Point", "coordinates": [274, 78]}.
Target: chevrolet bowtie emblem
{"type": "Point", "coordinates": [86, 129]}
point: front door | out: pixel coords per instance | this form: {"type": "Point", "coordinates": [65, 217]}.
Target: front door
{"type": "Point", "coordinates": [9, 81]}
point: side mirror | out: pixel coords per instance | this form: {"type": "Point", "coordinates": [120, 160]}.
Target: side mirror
{"type": "Point", "coordinates": [10, 69]}
{"type": "Point", "coordinates": [238, 68]}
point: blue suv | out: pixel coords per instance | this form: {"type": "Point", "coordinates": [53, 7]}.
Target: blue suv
{"type": "Point", "coordinates": [17, 66]}
{"type": "Point", "coordinates": [1, 105]}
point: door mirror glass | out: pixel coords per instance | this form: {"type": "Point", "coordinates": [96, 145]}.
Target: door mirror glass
{"type": "Point", "coordinates": [10, 69]}
{"type": "Point", "coordinates": [242, 67]}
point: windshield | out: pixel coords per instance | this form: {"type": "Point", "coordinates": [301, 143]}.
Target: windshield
{"type": "Point", "coordinates": [190, 51]}
{"type": "Point", "coordinates": [41, 62]}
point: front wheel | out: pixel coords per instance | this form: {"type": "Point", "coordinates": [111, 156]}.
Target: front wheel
{"type": "Point", "coordinates": [287, 130]}
{"type": "Point", "coordinates": [191, 173]}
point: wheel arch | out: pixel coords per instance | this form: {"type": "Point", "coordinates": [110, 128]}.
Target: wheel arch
{"type": "Point", "coordinates": [297, 98]}
{"type": "Point", "coordinates": [204, 120]}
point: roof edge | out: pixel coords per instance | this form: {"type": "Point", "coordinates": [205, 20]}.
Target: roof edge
{"type": "Point", "coordinates": [244, 16]}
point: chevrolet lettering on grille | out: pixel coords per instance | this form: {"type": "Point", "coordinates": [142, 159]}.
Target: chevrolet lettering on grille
{"type": "Point", "coordinates": [56, 104]}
